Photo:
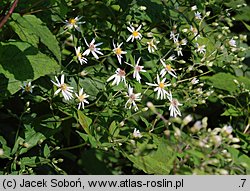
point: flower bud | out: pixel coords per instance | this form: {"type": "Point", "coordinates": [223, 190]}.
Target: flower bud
{"type": "Point", "coordinates": [187, 119]}
{"type": "Point", "coordinates": [1, 152]}
{"type": "Point", "coordinates": [223, 172]}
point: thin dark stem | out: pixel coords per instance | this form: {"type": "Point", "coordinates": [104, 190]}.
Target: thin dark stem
{"type": "Point", "coordinates": [6, 17]}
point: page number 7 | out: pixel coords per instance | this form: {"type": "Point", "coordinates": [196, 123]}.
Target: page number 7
{"type": "Point", "coordinates": [243, 182]}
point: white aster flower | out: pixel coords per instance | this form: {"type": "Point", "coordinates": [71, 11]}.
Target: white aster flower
{"type": "Point", "coordinates": [152, 45]}
{"type": "Point", "coordinates": [200, 48]}
{"type": "Point", "coordinates": [228, 129]}
{"type": "Point", "coordinates": [232, 43]}
{"type": "Point", "coordinates": [93, 49]}
{"type": "Point", "coordinates": [118, 77]}
{"type": "Point", "coordinates": [82, 98]}
{"type": "Point", "coordinates": [80, 56]}
{"type": "Point", "coordinates": [179, 51]}
{"type": "Point", "coordinates": [197, 15]}
{"type": "Point", "coordinates": [194, 8]}
{"type": "Point", "coordinates": [179, 43]}
{"type": "Point", "coordinates": [136, 133]}
{"type": "Point", "coordinates": [73, 23]}
{"type": "Point", "coordinates": [118, 51]}
{"type": "Point", "coordinates": [160, 85]}
{"type": "Point", "coordinates": [171, 58]}
{"type": "Point", "coordinates": [135, 33]}
{"type": "Point", "coordinates": [167, 69]}
{"type": "Point", "coordinates": [174, 36]}
{"type": "Point", "coordinates": [27, 87]}
{"type": "Point", "coordinates": [194, 81]}
{"type": "Point", "coordinates": [137, 69]}
{"type": "Point", "coordinates": [64, 88]}
{"type": "Point", "coordinates": [176, 39]}
{"type": "Point", "coordinates": [183, 42]}
{"type": "Point", "coordinates": [174, 106]}
{"type": "Point", "coordinates": [132, 98]}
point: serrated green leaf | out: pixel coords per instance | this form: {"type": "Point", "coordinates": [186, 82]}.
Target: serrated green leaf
{"type": "Point", "coordinates": [22, 62]}
{"type": "Point", "coordinates": [157, 162]}
{"type": "Point", "coordinates": [31, 29]}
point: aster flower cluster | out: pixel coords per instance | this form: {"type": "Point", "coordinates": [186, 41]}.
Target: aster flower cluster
{"type": "Point", "coordinates": [162, 78]}
{"type": "Point", "coordinates": [67, 92]}
{"type": "Point", "coordinates": [160, 86]}
{"type": "Point", "coordinates": [120, 75]}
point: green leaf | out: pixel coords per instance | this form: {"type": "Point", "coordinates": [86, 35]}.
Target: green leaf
{"type": "Point", "coordinates": [46, 151]}
{"type": "Point", "coordinates": [232, 112]}
{"type": "Point", "coordinates": [245, 81]}
{"type": "Point", "coordinates": [91, 86]}
{"type": "Point", "coordinates": [240, 158]}
{"type": "Point", "coordinates": [83, 136]}
{"type": "Point", "coordinates": [246, 25]}
{"type": "Point", "coordinates": [33, 161]}
{"type": "Point", "coordinates": [17, 145]}
{"type": "Point", "coordinates": [31, 29]}
{"type": "Point", "coordinates": [145, 121]}
{"type": "Point", "coordinates": [32, 138]}
{"type": "Point", "coordinates": [157, 162]}
{"type": "Point", "coordinates": [223, 81]}
{"type": "Point", "coordinates": [87, 137]}
{"type": "Point", "coordinates": [6, 149]}
{"type": "Point", "coordinates": [196, 155]}
{"type": "Point", "coordinates": [84, 121]}
{"type": "Point", "coordinates": [22, 62]}
{"type": "Point", "coordinates": [113, 129]}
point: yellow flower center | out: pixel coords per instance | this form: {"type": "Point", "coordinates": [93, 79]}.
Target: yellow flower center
{"type": "Point", "coordinates": [79, 55]}
{"type": "Point", "coordinates": [27, 88]}
{"type": "Point", "coordinates": [72, 21]}
{"type": "Point", "coordinates": [81, 98]}
{"type": "Point", "coordinates": [161, 85]}
{"type": "Point", "coordinates": [135, 33]}
{"type": "Point", "coordinates": [151, 44]}
{"type": "Point", "coordinates": [168, 68]}
{"type": "Point", "coordinates": [118, 51]}
{"type": "Point", "coordinates": [64, 87]}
